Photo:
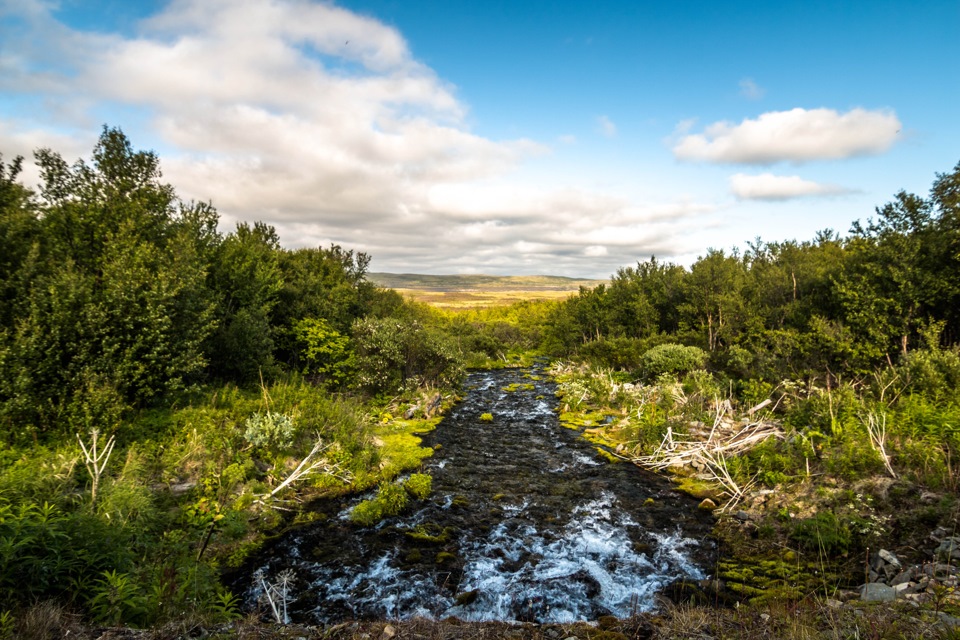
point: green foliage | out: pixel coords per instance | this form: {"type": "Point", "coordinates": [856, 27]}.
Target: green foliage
{"type": "Point", "coordinates": [419, 485]}
{"type": "Point", "coordinates": [672, 358]}
{"type": "Point", "coordinates": [824, 533]}
{"type": "Point", "coordinates": [390, 352]}
{"type": "Point", "coordinates": [324, 352]}
{"type": "Point", "coordinates": [117, 598]}
{"type": "Point", "coordinates": [269, 429]}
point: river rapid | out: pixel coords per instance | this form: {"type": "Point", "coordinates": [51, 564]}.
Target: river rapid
{"type": "Point", "coordinates": [526, 522]}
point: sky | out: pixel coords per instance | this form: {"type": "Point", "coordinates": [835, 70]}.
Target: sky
{"type": "Point", "coordinates": [502, 137]}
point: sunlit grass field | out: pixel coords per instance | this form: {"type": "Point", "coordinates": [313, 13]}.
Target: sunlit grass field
{"type": "Point", "coordinates": [456, 292]}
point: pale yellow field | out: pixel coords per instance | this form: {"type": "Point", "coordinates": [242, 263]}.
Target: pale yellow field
{"type": "Point", "coordinates": [457, 300]}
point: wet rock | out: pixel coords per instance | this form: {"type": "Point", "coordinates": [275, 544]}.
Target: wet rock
{"type": "Point", "coordinates": [466, 598]}
{"type": "Point", "coordinates": [877, 592]}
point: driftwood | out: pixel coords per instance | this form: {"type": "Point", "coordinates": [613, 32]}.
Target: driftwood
{"type": "Point", "coordinates": [725, 439]}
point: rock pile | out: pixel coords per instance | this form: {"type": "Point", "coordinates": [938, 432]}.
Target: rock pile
{"type": "Point", "coordinates": [889, 579]}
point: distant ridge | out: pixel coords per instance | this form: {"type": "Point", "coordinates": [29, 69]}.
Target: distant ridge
{"type": "Point", "coordinates": [479, 282]}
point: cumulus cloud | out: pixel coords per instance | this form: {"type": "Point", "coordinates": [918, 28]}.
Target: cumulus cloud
{"type": "Point", "coordinates": [606, 127]}
{"type": "Point", "coordinates": [319, 121]}
{"type": "Point", "coordinates": [751, 90]}
{"type": "Point", "coordinates": [798, 135]}
{"type": "Point", "coordinates": [767, 186]}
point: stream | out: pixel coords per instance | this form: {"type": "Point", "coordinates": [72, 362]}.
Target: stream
{"type": "Point", "coordinates": [526, 522]}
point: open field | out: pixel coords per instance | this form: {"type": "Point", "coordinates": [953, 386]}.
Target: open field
{"type": "Point", "coordinates": [476, 291]}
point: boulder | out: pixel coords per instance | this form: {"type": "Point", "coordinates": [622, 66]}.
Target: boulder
{"type": "Point", "coordinates": [877, 592]}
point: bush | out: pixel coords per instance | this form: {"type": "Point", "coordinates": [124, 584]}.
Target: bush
{"type": "Point", "coordinates": [269, 429]}
{"type": "Point", "coordinates": [672, 358]}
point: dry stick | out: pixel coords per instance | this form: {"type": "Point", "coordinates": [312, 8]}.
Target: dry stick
{"type": "Point", "coordinates": [878, 438]}
{"type": "Point", "coordinates": [303, 469]}
{"type": "Point", "coordinates": [95, 461]}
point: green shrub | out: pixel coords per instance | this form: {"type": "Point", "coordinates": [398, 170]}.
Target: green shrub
{"type": "Point", "coordinates": [419, 485]}
{"type": "Point", "coordinates": [823, 532]}
{"type": "Point", "coordinates": [672, 358]}
{"type": "Point", "coordinates": [269, 429]}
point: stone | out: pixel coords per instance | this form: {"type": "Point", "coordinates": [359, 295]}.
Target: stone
{"type": "Point", "coordinates": [901, 588]}
{"type": "Point", "coordinates": [708, 505]}
{"type": "Point", "coordinates": [949, 621]}
{"type": "Point", "coordinates": [949, 549]}
{"type": "Point", "coordinates": [889, 557]}
{"type": "Point", "coordinates": [902, 577]}
{"type": "Point", "coordinates": [834, 604]}
{"type": "Point", "coordinates": [742, 516]}
{"type": "Point", "coordinates": [877, 592]}
{"type": "Point", "coordinates": [388, 632]}
{"type": "Point", "coordinates": [412, 411]}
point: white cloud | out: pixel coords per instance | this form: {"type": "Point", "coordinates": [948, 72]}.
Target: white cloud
{"type": "Point", "coordinates": [767, 186]}
{"type": "Point", "coordinates": [320, 122]}
{"type": "Point", "coordinates": [798, 135]}
{"type": "Point", "coordinates": [606, 127]}
{"type": "Point", "coordinates": [751, 90]}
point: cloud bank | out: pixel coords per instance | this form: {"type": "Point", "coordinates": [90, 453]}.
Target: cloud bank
{"type": "Point", "coordinates": [797, 135]}
{"type": "Point", "coordinates": [767, 186]}
{"type": "Point", "coordinates": [319, 121]}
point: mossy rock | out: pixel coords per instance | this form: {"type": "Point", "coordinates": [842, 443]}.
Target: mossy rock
{"type": "Point", "coordinates": [649, 502]}
{"type": "Point", "coordinates": [498, 497]}
{"type": "Point", "coordinates": [430, 533]}
{"type": "Point", "coordinates": [445, 557]}
{"type": "Point", "coordinates": [413, 557]}
{"type": "Point", "coordinates": [460, 501]}
{"type": "Point", "coordinates": [486, 417]}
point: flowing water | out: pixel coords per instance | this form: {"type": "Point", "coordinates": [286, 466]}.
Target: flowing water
{"type": "Point", "coordinates": [526, 522]}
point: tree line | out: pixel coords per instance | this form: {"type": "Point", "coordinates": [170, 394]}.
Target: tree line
{"type": "Point", "coordinates": [831, 306]}
{"type": "Point", "coordinates": [116, 294]}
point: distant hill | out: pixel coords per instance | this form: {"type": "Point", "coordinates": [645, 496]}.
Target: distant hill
{"type": "Point", "coordinates": [477, 291]}
{"type": "Point", "coordinates": [475, 282]}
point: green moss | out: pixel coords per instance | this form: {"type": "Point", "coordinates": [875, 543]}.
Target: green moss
{"type": "Point", "coordinates": [419, 485]}
{"type": "Point", "coordinates": [696, 487]}
{"type": "Point", "coordinates": [609, 457]}
{"type": "Point", "coordinates": [460, 501]}
{"type": "Point", "coordinates": [518, 387]}
{"type": "Point", "coordinates": [445, 557]}
{"type": "Point", "coordinates": [649, 502]}
{"type": "Point", "coordinates": [486, 417]}
{"type": "Point", "coordinates": [499, 496]}
{"type": "Point", "coordinates": [367, 513]}
{"type": "Point", "coordinates": [430, 533]}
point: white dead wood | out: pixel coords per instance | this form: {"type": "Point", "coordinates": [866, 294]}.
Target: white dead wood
{"type": "Point", "coordinates": [311, 464]}
{"type": "Point", "coordinates": [711, 455]}
{"type": "Point", "coordinates": [95, 460]}
{"type": "Point", "coordinates": [877, 428]}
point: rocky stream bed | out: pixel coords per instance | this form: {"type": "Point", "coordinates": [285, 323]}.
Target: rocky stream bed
{"type": "Point", "coordinates": [526, 522]}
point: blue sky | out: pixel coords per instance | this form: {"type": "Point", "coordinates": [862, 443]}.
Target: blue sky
{"type": "Point", "coordinates": [565, 138]}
